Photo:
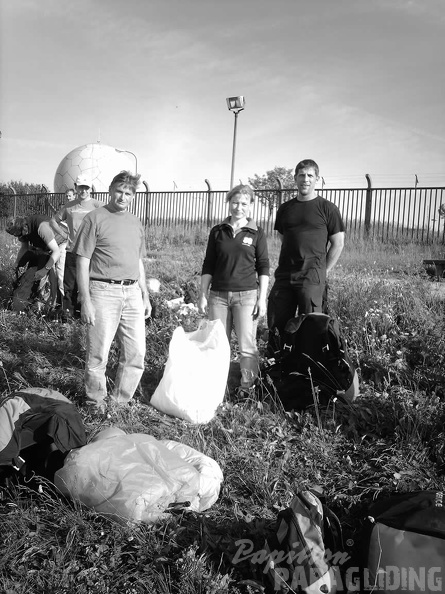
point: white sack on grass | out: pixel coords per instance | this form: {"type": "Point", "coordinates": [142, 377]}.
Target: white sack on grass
{"type": "Point", "coordinates": [136, 477]}
{"type": "Point", "coordinates": [195, 375]}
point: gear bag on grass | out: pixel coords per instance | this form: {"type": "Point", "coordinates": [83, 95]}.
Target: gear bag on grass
{"type": "Point", "coordinates": [404, 544]}
{"type": "Point", "coordinates": [313, 358]}
{"type": "Point", "coordinates": [38, 427]}
{"type": "Point", "coordinates": [137, 478]}
{"type": "Point", "coordinates": [306, 550]}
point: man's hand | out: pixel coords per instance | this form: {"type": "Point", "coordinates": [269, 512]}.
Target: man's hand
{"type": "Point", "coordinates": [88, 313]}
{"type": "Point", "coordinates": [147, 306]}
{"type": "Point", "coordinates": [337, 242]}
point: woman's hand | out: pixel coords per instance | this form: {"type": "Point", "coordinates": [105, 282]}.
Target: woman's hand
{"type": "Point", "coordinates": [260, 309]}
{"type": "Point", "coordinates": [202, 304]}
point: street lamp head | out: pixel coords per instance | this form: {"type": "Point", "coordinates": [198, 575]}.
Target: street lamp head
{"type": "Point", "coordinates": [236, 104]}
{"type": "Point", "coordinates": [130, 153]}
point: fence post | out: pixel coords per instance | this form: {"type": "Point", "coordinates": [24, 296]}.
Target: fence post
{"type": "Point", "coordinates": [15, 199]}
{"type": "Point", "coordinates": [280, 192]}
{"type": "Point", "coordinates": [147, 200]}
{"type": "Point", "coordinates": [44, 199]}
{"type": "Point", "coordinates": [209, 202]}
{"type": "Point", "coordinates": [50, 210]}
{"type": "Point", "coordinates": [368, 205]}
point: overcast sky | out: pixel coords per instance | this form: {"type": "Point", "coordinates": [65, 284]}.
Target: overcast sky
{"type": "Point", "coordinates": [357, 85]}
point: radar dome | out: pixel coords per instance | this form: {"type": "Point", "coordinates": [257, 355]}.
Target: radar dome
{"type": "Point", "coordinates": [99, 162]}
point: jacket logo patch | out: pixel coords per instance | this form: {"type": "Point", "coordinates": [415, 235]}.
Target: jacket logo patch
{"type": "Point", "coordinates": [247, 241]}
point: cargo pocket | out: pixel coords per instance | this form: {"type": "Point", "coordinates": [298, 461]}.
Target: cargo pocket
{"type": "Point", "coordinates": [310, 276]}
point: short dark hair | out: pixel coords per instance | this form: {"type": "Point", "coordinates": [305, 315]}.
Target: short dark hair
{"type": "Point", "coordinates": [17, 226]}
{"type": "Point", "coordinates": [129, 179]}
{"type": "Point", "coordinates": [240, 189]}
{"type": "Point", "coordinates": [305, 164]}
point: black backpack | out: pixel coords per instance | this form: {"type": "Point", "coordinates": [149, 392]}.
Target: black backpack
{"type": "Point", "coordinates": [403, 544]}
{"type": "Point", "coordinates": [313, 365]}
{"type": "Point", "coordinates": [38, 427]}
{"type": "Point", "coordinates": [305, 553]}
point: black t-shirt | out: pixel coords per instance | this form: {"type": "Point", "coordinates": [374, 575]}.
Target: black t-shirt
{"type": "Point", "coordinates": [40, 232]}
{"type": "Point", "coordinates": [306, 227]}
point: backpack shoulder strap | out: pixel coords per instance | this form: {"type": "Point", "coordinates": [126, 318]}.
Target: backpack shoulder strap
{"type": "Point", "coordinates": [294, 324]}
{"type": "Point", "coordinates": [337, 340]}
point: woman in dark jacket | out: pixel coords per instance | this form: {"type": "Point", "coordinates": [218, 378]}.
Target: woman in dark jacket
{"type": "Point", "coordinates": [236, 270]}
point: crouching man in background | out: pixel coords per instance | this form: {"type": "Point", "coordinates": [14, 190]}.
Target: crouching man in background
{"type": "Point", "coordinates": [39, 250]}
{"type": "Point", "coordinates": [110, 246]}
{"type": "Point", "coordinates": [35, 235]}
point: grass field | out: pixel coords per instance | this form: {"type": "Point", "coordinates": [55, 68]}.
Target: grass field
{"type": "Point", "coordinates": [390, 440]}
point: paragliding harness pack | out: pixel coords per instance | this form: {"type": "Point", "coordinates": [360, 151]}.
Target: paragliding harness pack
{"type": "Point", "coordinates": [403, 543]}
{"type": "Point", "coordinates": [38, 427]}
{"type": "Point", "coordinates": [312, 364]}
{"type": "Point", "coordinates": [305, 551]}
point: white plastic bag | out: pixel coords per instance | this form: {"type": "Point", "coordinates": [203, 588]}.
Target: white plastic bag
{"type": "Point", "coordinates": [195, 375]}
{"type": "Point", "coordinates": [210, 474]}
{"type": "Point", "coordinates": [136, 477]}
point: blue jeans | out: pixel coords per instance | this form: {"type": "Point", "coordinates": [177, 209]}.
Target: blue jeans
{"type": "Point", "coordinates": [120, 313]}
{"type": "Point", "coordinates": [235, 309]}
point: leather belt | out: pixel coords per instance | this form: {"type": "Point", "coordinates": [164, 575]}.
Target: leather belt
{"type": "Point", "coordinates": [115, 282]}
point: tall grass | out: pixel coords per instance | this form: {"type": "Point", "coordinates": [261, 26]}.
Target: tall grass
{"type": "Point", "coordinates": [390, 439]}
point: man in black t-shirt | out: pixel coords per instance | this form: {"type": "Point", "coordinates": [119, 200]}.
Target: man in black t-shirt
{"type": "Point", "coordinates": [312, 232]}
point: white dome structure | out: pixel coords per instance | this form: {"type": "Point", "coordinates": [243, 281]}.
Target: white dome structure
{"type": "Point", "coordinates": [99, 162]}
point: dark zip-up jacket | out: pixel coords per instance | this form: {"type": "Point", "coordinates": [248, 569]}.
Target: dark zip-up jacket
{"type": "Point", "coordinates": [236, 260]}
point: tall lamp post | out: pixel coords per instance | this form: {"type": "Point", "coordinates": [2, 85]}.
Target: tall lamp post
{"type": "Point", "coordinates": [135, 158]}
{"type": "Point", "coordinates": [235, 104]}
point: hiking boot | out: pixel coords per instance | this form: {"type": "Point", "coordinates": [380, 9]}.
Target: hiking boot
{"type": "Point", "coordinates": [243, 394]}
{"type": "Point", "coordinates": [247, 378]}
{"type": "Point", "coordinates": [66, 316]}
{"type": "Point", "coordinates": [96, 407]}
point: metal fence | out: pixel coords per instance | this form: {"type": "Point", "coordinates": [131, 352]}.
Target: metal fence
{"type": "Point", "coordinates": [380, 213]}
